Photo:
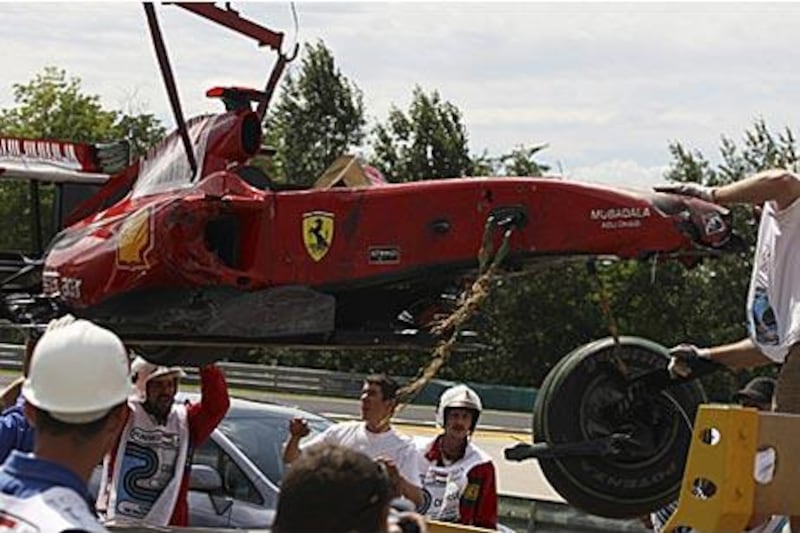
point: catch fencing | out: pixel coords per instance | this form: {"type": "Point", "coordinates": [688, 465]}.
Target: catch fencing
{"type": "Point", "coordinates": [316, 382]}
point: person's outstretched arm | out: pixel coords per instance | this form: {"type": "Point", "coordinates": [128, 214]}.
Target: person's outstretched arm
{"type": "Point", "coordinates": [778, 185]}
{"type": "Point", "coordinates": [214, 402]}
{"type": "Point", "coordinates": [298, 428]}
{"type": "Point", "coordinates": [737, 355]}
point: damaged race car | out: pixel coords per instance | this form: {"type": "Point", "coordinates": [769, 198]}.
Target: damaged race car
{"type": "Point", "coordinates": [219, 255]}
{"type": "Point", "coordinates": [192, 250]}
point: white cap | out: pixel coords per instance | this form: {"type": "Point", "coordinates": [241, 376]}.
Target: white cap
{"type": "Point", "coordinates": [77, 373]}
{"type": "Point", "coordinates": [458, 396]}
{"type": "Point", "coordinates": [143, 371]}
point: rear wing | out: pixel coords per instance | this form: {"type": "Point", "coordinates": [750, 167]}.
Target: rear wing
{"type": "Point", "coordinates": [61, 162]}
{"type": "Point", "coordinates": [77, 170]}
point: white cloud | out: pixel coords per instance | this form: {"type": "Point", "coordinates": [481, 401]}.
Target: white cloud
{"type": "Point", "coordinates": [626, 173]}
{"type": "Point", "coordinates": [602, 83]}
{"type": "Point", "coordinates": [537, 114]}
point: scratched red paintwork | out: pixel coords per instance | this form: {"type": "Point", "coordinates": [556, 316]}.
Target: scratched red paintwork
{"type": "Point", "coordinates": [397, 220]}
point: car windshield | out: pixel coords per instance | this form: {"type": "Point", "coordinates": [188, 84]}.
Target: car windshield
{"type": "Point", "coordinates": [260, 434]}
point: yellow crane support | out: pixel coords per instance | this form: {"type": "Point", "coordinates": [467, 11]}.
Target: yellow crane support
{"type": "Point", "coordinates": [720, 493]}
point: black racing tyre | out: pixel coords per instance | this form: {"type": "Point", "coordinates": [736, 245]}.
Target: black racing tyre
{"type": "Point", "coordinates": [578, 401]}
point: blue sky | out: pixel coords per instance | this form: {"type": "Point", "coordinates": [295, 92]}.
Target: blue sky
{"type": "Point", "coordinates": [606, 85]}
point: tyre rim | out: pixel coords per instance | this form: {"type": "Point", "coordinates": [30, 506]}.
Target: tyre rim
{"type": "Point", "coordinates": [653, 421]}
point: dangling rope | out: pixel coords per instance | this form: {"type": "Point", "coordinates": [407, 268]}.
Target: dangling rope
{"type": "Point", "coordinates": [455, 322]}
{"type": "Point", "coordinates": [604, 296]}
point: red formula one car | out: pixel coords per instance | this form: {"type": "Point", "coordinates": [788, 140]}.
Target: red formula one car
{"type": "Point", "coordinates": [220, 254]}
{"type": "Point", "coordinates": [193, 245]}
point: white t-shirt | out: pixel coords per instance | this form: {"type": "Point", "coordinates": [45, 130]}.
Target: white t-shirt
{"type": "Point", "coordinates": [391, 444]}
{"type": "Point", "coordinates": [773, 301]}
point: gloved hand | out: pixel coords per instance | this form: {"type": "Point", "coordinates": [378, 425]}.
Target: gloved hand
{"type": "Point", "coordinates": [679, 356]}
{"type": "Point", "coordinates": [695, 190]}
{"type": "Point", "coordinates": [60, 322]}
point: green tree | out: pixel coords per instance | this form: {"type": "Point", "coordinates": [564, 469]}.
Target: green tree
{"type": "Point", "coordinates": [430, 141]}
{"type": "Point", "coordinates": [53, 106]}
{"type": "Point", "coordinates": [483, 164]}
{"type": "Point", "coordinates": [142, 132]}
{"type": "Point", "coordinates": [521, 161]}
{"type": "Point", "coordinates": [319, 115]}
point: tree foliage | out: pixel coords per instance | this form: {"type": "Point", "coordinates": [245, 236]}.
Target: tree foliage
{"type": "Point", "coordinates": [53, 106]}
{"type": "Point", "coordinates": [319, 115]}
{"type": "Point", "coordinates": [429, 141]}
{"type": "Point", "coordinates": [521, 161]}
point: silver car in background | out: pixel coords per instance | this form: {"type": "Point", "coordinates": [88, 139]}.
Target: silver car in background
{"type": "Point", "coordinates": [236, 473]}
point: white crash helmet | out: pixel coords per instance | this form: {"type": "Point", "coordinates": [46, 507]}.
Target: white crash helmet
{"type": "Point", "coordinates": [78, 371]}
{"type": "Point", "coordinates": [459, 396]}
{"type": "Point", "coordinates": [143, 371]}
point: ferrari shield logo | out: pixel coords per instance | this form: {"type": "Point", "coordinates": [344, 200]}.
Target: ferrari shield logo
{"type": "Point", "coordinates": [317, 233]}
{"type": "Point", "coordinates": [134, 240]}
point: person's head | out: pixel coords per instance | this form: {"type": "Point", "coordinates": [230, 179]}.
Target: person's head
{"type": "Point", "coordinates": [335, 489]}
{"type": "Point", "coordinates": [78, 386]}
{"type": "Point", "coordinates": [378, 399]}
{"type": "Point", "coordinates": [758, 393]}
{"type": "Point", "coordinates": [157, 385]}
{"type": "Point", "coordinates": [458, 411]}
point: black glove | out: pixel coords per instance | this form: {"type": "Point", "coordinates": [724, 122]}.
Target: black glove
{"type": "Point", "coordinates": [679, 356]}
{"type": "Point", "coordinates": [695, 190]}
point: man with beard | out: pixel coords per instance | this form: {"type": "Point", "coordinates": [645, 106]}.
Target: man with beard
{"type": "Point", "coordinates": [145, 477]}
{"type": "Point", "coordinates": [372, 436]}
{"type": "Point", "coordinates": [458, 478]}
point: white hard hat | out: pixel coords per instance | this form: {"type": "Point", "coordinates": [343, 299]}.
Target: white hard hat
{"type": "Point", "coordinates": [77, 373]}
{"type": "Point", "coordinates": [459, 396]}
{"type": "Point", "coordinates": [143, 371]}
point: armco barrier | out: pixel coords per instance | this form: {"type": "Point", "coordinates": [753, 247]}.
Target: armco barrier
{"type": "Point", "coordinates": [542, 516]}
{"type": "Point", "coordinates": [326, 382]}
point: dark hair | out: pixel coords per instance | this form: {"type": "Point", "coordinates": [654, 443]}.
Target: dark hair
{"type": "Point", "coordinates": [387, 385]}
{"type": "Point", "coordinates": [334, 489]}
{"type": "Point", "coordinates": [45, 423]}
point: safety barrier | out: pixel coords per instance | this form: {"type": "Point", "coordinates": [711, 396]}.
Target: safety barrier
{"type": "Point", "coordinates": [325, 382]}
